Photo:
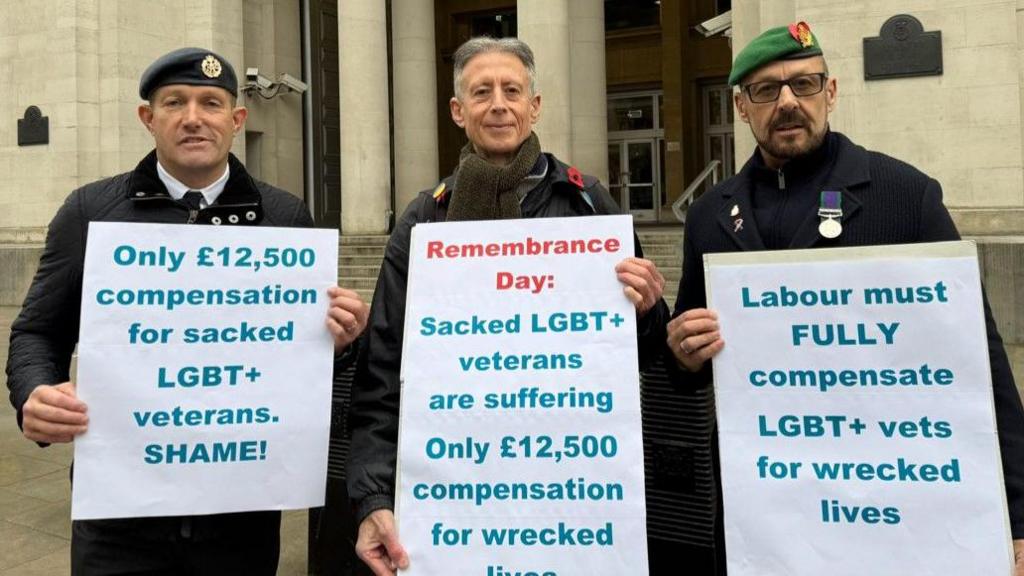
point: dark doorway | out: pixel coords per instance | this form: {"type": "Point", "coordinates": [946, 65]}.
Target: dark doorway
{"type": "Point", "coordinates": [324, 112]}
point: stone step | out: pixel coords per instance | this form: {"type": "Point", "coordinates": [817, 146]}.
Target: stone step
{"type": "Point", "coordinates": [360, 260]}
{"type": "Point", "coordinates": [358, 284]}
{"type": "Point", "coordinates": [364, 240]}
{"type": "Point", "coordinates": [361, 250]}
{"type": "Point", "coordinates": [358, 271]}
{"type": "Point", "coordinates": [660, 249]}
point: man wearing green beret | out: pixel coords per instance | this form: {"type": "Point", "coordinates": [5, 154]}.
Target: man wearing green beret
{"type": "Point", "coordinates": [778, 200]}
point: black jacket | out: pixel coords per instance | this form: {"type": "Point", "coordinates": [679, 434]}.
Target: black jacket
{"type": "Point", "coordinates": [884, 201]}
{"type": "Point", "coordinates": [46, 331]}
{"type": "Point", "coordinates": [375, 394]}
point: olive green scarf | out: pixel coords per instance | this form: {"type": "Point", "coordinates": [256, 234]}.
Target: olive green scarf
{"type": "Point", "coordinates": [484, 191]}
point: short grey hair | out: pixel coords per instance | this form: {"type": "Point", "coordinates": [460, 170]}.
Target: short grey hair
{"type": "Point", "coordinates": [483, 44]}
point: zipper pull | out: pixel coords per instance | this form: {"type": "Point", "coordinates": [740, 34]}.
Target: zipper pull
{"type": "Point", "coordinates": [782, 179]}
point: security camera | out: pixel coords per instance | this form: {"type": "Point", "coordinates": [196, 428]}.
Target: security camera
{"type": "Point", "coordinates": [716, 25]}
{"type": "Point", "coordinates": [256, 81]}
{"type": "Point", "coordinates": [292, 83]}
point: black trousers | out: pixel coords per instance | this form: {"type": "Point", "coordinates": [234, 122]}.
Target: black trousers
{"type": "Point", "coordinates": [222, 544]}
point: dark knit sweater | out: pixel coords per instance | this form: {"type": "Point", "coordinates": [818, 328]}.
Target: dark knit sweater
{"type": "Point", "coordinates": [885, 201]}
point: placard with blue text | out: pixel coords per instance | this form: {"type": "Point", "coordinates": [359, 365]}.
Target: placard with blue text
{"type": "Point", "coordinates": [520, 450]}
{"type": "Point", "coordinates": [206, 365]}
{"type": "Point", "coordinates": [855, 413]}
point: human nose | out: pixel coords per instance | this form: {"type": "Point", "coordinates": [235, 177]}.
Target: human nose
{"type": "Point", "coordinates": [192, 115]}
{"type": "Point", "coordinates": [787, 99]}
{"type": "Point", "coordinates": [499, 103]}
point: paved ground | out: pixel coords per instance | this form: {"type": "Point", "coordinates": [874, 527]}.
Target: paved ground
{"type": "Point", "coordinates": [35, 500]}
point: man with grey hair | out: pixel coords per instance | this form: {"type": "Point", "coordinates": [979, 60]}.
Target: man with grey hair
{"type": "Point", "coordinates": [502, 174]}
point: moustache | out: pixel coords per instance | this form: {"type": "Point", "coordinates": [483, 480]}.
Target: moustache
{"type": "Point", "coordinates": [788, 117]}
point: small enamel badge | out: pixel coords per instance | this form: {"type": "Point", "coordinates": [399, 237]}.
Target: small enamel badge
{"type": "Point", "coordinates": [801, 32]}
{"type": "Point", "coordinates": [439, 192]}
{"type": "Point", "coordinates": [211, 66]}
{"type": "Point", "coordinates": [735, 210]}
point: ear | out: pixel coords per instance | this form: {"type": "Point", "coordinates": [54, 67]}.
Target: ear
{"type": "Point", "coordinates": [831, 93]}
{"type": "Point", "coordinates": [238, 116]}
{"type": "Point", "coordinates": [456, 109]}
{"type": "Point", "coordinates": [741, 106]}
{"type": "Point", "coordinates": [534, 108]}
{"type": "Point", "coordinates": [146, 116]}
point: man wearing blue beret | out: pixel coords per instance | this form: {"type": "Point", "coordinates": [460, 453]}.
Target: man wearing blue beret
{"type": "Point", "coordinates": [190, 177]}
{"type": "Point", "coordinates": [776, 201]}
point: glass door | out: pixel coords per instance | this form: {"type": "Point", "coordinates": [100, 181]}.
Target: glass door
{"type": "Point", "coordinates": [632, 171]}
{"type": "Point", "coordinates": [634, 153]}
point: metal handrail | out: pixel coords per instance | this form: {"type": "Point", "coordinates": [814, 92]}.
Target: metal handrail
{"type": "Point", "coordinates": [686, 197]}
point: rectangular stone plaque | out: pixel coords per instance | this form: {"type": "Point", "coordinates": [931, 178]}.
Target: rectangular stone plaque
{"type": "Point", "coordinates": [903, 49]}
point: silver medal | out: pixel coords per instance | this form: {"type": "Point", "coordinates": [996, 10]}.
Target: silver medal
{"type": "Point", "coordinates": [830, 228]}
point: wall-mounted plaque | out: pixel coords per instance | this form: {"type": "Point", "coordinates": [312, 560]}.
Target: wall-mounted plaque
{"type": "Point", "coordinates": [34, 128]}
{"type": "Point", "coordinates": [902, 48]}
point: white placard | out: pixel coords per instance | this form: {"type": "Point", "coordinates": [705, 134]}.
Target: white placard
{"type": "Point", "coordinates": [206, 366]}
{"type": "Point", "coordinates": [855, 413]}
{"type": "Point", "coordinates": [520, 447]}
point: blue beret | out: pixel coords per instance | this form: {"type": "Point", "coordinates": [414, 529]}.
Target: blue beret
{"type": "Point", "coordinates": [192, 66]}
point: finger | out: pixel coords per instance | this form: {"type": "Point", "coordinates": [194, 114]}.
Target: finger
{"type": "Point", "coordinates": [353, 304]}
{"type": "Point", "coordinates": [642, 268]}
{"type": "Point", "coordinates": [396, 551]}
{"type": "Point", "coordinates": [376, 562]}
{"type": "Point", "coordinates": [52, 433]}
{"type": "Point", "coordinates": [334, 291]}
{"type": "Point", "coordinates": [696, 342]}
{"type": "Point", "coordinates": [56, 415]}
{"type": "Point", "coordinates": [675, 323]}
{"type": "Point", "coordinates": [708, 352]}
{"type": "Point", "coordinates": [62, 396]}
{"type": "Point", "coordinates": [635, 297]}
{"type": "Point", "coordinates": [49, 439]}
{"type": "Point", "coordinates": [343, 317]}
{"type": "Point", "coordinates": [337, 331]}
{"type": "Point", "coordinates": [681, 330]}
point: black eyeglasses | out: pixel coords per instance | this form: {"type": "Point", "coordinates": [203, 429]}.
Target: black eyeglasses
{"type": "Point", "coordinates": [769, 90]}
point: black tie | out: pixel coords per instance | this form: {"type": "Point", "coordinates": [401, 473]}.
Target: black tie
{"type": "Point", "coordinates": [192, 199]}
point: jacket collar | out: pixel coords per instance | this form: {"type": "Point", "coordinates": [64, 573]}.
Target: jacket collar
{"type": "Point", "coordinates": [239, 203]}
{"type": "Point", "coordinates": [851, 169]}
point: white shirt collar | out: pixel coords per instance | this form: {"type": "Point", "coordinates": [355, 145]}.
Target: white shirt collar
{"type": "Point", "coordinates": [177, 190]}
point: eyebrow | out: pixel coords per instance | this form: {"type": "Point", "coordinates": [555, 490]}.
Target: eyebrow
{"type": "Point", "coordinates": [797, 75]}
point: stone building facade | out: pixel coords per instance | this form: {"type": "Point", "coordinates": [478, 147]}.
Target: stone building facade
{"type": "Point", "coordinates": [373, 128]}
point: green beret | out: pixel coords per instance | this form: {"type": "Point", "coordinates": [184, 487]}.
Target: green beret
{"type": "Point", "coordinates": [783, 43]}
{"type": "Point", "coordinates": [192, 66]}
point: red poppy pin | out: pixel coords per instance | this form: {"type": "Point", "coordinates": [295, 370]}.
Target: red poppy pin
{"type": "Point", "coordinates": [575, 177]}
{"type": "Point", "coordinates": [801, 32]}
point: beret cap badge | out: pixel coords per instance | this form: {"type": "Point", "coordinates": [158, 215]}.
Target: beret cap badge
{"type": "Point", "coordinates": [801, 32]}
{"type": "Point", "coordinates": [211, 66]}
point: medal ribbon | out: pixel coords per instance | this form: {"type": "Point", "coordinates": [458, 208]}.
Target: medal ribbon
{"type": "Point", "coordinates": [831, 204]}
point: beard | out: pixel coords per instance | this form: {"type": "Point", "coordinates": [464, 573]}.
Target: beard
{"type": "Point", "coordinates": [788, 148]}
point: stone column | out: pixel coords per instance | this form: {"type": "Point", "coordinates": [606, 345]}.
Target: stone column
{"type": "Point", "coordinates": [589, 103]}
{"type": "Point", "coordinates": [544, 25]}
{"type": "Point", "coordinates": [365, 137]}
{"type": "Point", "coordinates": [415, 77]}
